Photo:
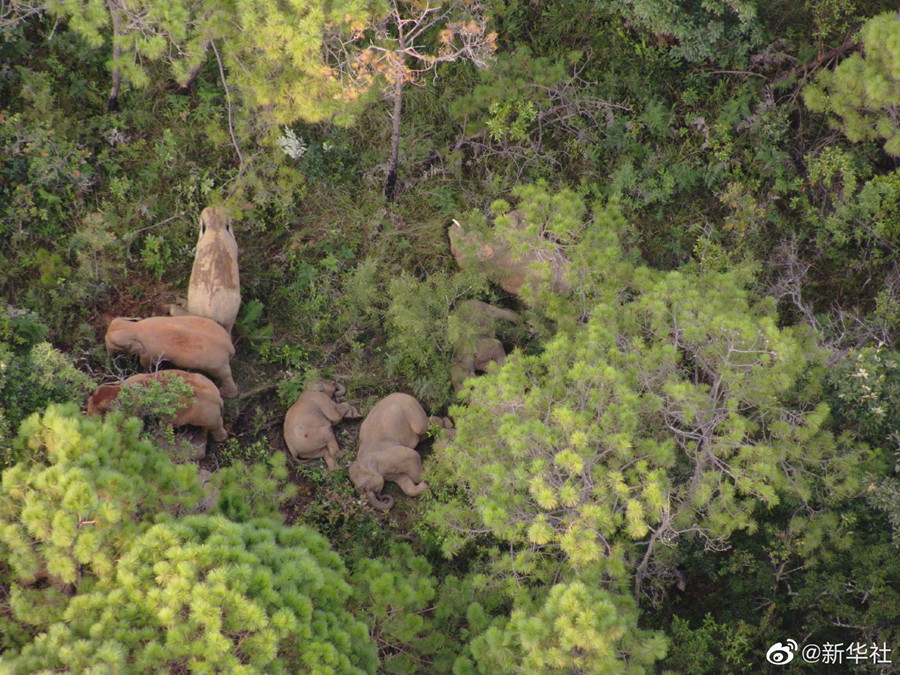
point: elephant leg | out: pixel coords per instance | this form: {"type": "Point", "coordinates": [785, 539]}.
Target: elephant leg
{"type": "Point", "coordinates": [331, 411]}
{"type": "Point", "coordinates": [400, 461]}
{"type": "Point", "coordinates": [348, 411]}
{"type": "Point", "coordinates": [409, 487]}
{"type": "Point", "coordinates": [218, 433]}
{"type": "Point", "coordinates": [461, 369]}
{"type": "Point", "coordinates": [145, 361]}
{"type": "Point", "coordinates": [417, 420]}
{"type": "Point", "coordinates": [229, 387]}
{"type": "Point", "coordinates": [333, 448]}
{"type": "Point", "coordinates": [442, 422]}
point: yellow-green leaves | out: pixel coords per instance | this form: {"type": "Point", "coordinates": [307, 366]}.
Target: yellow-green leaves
{"type": "Point", "coordinates": [664, 411]}
{"type": "Point", "coordinates": [863, 91]}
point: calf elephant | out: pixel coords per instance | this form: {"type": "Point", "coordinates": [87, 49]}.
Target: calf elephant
{"type": "Point", "coordinates": [205, 411]}
{"type": "Point", "coordinates": [307, 424]}
{"type": "Point", "coordinates": [215, 288]}
{"type": "Point", "coordinates": [510, 269]}
{"type": "Point", "coordinates": [387, 440]}
{"type": "Point", "coordinates": [186, 341]}
{"type": "Point", "coordinates": [475, 354]}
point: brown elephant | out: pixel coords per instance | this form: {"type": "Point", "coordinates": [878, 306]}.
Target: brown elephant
{"type": "Point", "coordinates": [493, 255]}
{"type": "Point", "coordinates": [215, 288]}
{"type": "Point", "coordinates": [476, 354]}
{"type": "Point", "coordinates": [307, 424]}
{"type": "Point", "coordinates": [205, 411]}
{"type": "Point", "coordinates": [185, 341]}
{"type": "Point", "coordinates": [387, 440]}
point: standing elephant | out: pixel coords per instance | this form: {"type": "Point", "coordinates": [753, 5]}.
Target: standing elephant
{"type": "Point", "coordinates": [510, 269]}
{"type": "Point", "coordinates": [204, 411]}
{"type": "Point", "coordinates": [215, 288]}
{"type": "Point", "coordinates": [307, 424]}
{"type": "Point", "coordinates": [387, 440]}
{"type": "Point", "coordinates": [186, 341]}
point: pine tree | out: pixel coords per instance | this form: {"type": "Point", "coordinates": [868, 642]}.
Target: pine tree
{"type": "Point", "coordinates": [66, 518]}
{"type": "Point", "coordinates": [207, 595]}
{"type": "Point", "coordinates": [106, 573]}
{"type": "Point", "coordinates": [863, 92]}
{"type": "Point", "coordinates": [578, 628]}
{"type": "Point", "coordinates": [666, 412]}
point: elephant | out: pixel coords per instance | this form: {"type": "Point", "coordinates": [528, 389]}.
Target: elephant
{"type": "Point", "coordinates": [387, 440]}
{"type": "Point", "coordinates": [307, 424]}
{"type": "Point", "coordinates": [185, 341]}
{"type": "Point", "coordinates": [510, 270]}
{"type": "Point", "coordinates": [205, 411]}
{"type": "Point", "coordinates": [474, 356]}
{"type": "Point", "coordinates": [215, 288]}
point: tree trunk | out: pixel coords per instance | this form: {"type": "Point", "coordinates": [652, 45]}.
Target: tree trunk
{"type": "Point", "coordinates": [391, 182]}
{"type": "Point", "coordinates": [185, 89]}
{"type": "Point", "coordinates": [112, 103]}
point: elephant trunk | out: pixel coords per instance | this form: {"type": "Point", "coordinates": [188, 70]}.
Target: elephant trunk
{"type": "Point", "coordinates": [382, 504]}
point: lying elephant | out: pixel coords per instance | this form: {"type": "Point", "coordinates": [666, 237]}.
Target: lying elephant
{"type": "Point", "coordinates": [387, 440]}
{"type": "Point", "coordinates": [186, 341]}
{"type": "Point", "coordinates": [205, 411]}
{"type": "Point", "coordinates": [510, 270]}
{"type": "Point", "coordinates": [215, 288]}
{"type": "Point", "coordinates": [474, 356]}
{"type": "Point", "coordinates": [307, 425]}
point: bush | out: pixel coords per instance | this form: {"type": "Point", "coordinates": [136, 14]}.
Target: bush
{"type": "Point", "coordinates": [208, 595]}
{"type": "Point", "coordinates": [32, 375]}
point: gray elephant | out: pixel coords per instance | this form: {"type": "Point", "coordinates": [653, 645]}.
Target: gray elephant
{"type": "Point", "coordinates": [511, 270]}
{"type": "Point", "coordinates": [215, 287]}
{"type": "Point", "coordinates": [205, 411]}
{"type": "Point", "coordinates": [193, 342]}
{"type": "Point", "coordinates": [308, 423]}
{"type": "Point", "coordinates": [387, 441]}
{"type": "Point", "coordinates": [475, 354]}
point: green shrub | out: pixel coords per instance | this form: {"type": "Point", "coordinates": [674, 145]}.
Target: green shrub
{"type": "Point", "coordinates": [208, 595]}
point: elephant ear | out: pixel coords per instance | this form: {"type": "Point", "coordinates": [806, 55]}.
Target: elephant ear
{"type": "Point", "coordinates": [101, 400]}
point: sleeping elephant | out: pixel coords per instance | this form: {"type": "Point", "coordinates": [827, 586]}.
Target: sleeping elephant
{"type": "Point", "coordinates": [215, 288]}
{"type": "Point", "coordinates": [307, 425]}
{"type": "Point", "coordinates": [511, 270]}
{"type": "Point", "coordinates": [483, 348]}
{"type": "Point", "coordinates": [185, 341]}
{"type": "Point", "coordinates": [205, 411]}
{"type": "Point", "coordinates": [387, 440]}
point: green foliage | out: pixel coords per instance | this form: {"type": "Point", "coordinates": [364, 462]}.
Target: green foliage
{"type": "Point", "coordinates": [158, 398]}
{"type": "Point", "coordinates": [254, 491]}
{"type": "Point", "coordinates": [32, 375]}
{"type": "Point", "coordinates": [709, 648]}
{"type": "Point", "coordinates": [394, 594]}
{"type": "Point", "coordinates": [67, 518]}
{"type": "Point", "coordinates": [861, 93]}
{"type": "Point", "coordinates": [207, 594]}
{"type": "Point", "coordinates": [418, 326]}
{"type": "Point", "coordinates": [576, 628]}
{"type": "Point", "coordinates": [663, 413]}
{"type": "Point", "coordinates": [864, 395]}
{"type": "Point", "coordinates": [720, 30]}
{"type": "Point", "coordinates": [339, 514]}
